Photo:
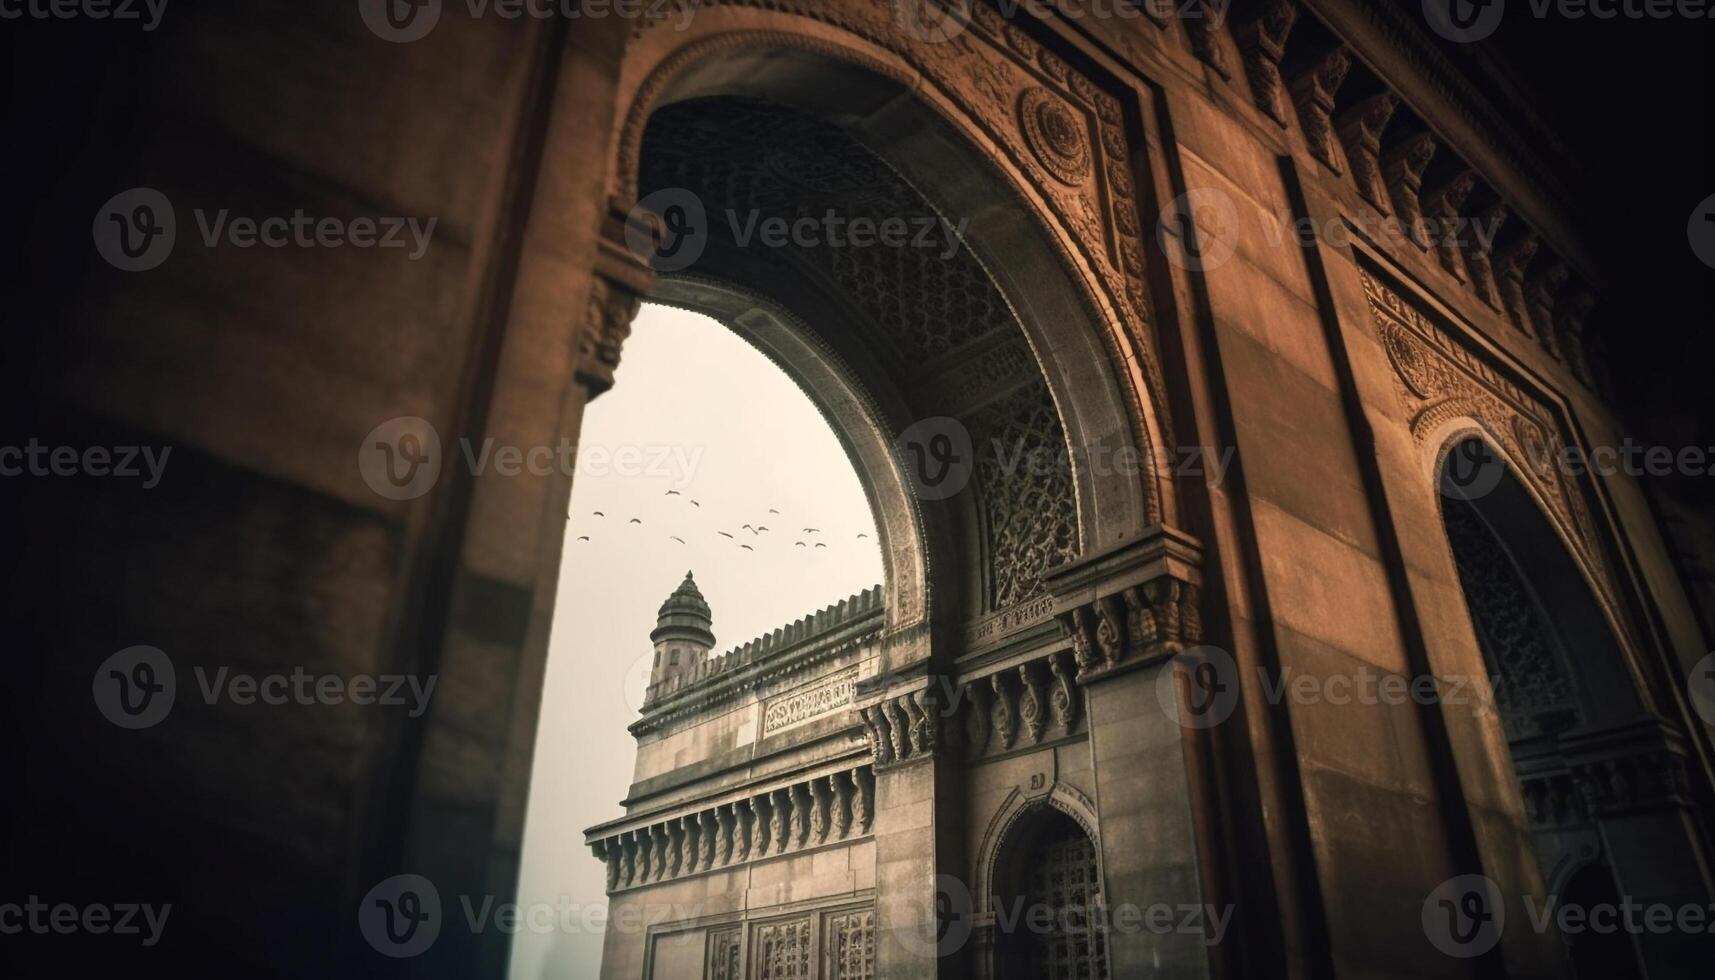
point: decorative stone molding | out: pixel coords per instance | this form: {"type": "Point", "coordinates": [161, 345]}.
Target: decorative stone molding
{"type": "Point", "coordinates": [1477, 258]}
{"type": "Point", "coordinates": [1638, 768]}
{"type": "Point", "coordinates": [1055, 135]}
{"type": "Point", "coordinates": [1441, 378]}
{"type": "Point", "coordinates": [901, 727]}
{"type": "Point", "coordinates": [1402, 170]}
{"type": "Point", "coordinates": [1202, 20]}
{"type": "Point", "coordinates": [1132, 605]}
{"type": "Point", "coordinates": [821, 810]}
{"type": "Point", "coordinates": [1360, 129]}
{"type": "Point", "coordinates": [621, 280]}
{"type": "Point", "coordinates": [1313, 93]}
{"type": "Point", "coordinates": [1510, 261]}
{"type": "Point", "coordinates": [1262, 42]}
{"type": "Point", "coordinates": [1442, 202]}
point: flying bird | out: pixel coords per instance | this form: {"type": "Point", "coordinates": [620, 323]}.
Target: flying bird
{"type": "Point", "coordinates": [799, 544]}
{"type": "Point", "coordinates": [675, 537]}
{"type": "Point", "coordinates": [672, 493]}
{"type": "Point", "coordinates": [812, 530]}
{"type": "Point", "coordinates": [635, 520]}
{"type": "Point", "coordinates": [600, 514]}
{"type": "Point", "coordinates": [723, 534]}
{"type": "Point", "coordinates": [696, 505]}
{"type": "Point", "coordinates": [862, 535]}
{"type": "Point", "coordinates": [752, 530]}
{"type": "Point", "coordinates": [820, 545]}
{"type": "Point", "coordinates": [760, 528]}
{"type": "Point", "coordinates": [747, 547]}
{"type": "Point", "coordinates": [583, 537]}
{"type": "Point", "coordinates": [772, 511]}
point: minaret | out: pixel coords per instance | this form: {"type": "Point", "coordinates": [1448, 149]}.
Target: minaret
{"type": "Point", "coordinates": [682, 635]}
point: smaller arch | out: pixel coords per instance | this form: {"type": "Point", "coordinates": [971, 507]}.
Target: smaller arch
{"type": "Point", "coordinates": [1017, 808]}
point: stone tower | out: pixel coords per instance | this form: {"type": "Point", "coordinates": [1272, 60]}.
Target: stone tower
{"type": "Point", "coordinates": [682, 637]}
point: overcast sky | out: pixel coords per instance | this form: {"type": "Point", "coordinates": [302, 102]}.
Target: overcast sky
{"type": "Point", "coordinates": [696, 410]}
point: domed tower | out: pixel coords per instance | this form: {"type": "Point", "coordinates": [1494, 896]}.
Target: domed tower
{"type": "Point", "coordinates": [682, 634]}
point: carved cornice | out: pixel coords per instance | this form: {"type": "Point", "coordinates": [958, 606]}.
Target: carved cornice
{"type": "Point", "coordinates": [1132, 605]}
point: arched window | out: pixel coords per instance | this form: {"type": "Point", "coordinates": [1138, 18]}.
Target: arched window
{"type": "Point", "coordinates": [1047, 903]}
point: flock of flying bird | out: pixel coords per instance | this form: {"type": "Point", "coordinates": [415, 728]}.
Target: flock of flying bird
{"type": "Point", "coordinates": [756, 530]}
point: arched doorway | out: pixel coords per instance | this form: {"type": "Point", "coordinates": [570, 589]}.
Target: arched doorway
{"type": "Point", "coordinates": [1047, 902]}
{"type": "Point", "coordinates": [1601, 775]}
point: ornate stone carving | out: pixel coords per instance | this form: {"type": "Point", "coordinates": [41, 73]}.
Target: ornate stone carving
{"type": "Point", "coordinates": [1443, 203]}
{"type": "Point", "coordinates": [1262, 41]}
{"type": "Point", "coordinates": [627, 859]}
{"type": "Point", "coordinates": [1510, 261]}
{"type": "Point", "coordinates": [878, 732]}
{"type": "Point", "coordinates": [1541, 289]}
{"type": "Point", "coordinates": [783, 950]}
{"type": "Point", "coordinates": [710, 832]}
{"type": "Point", "coordinates": [1313, 93]}
{"type": "Point", "coordinates": [779, 808]}
{"type": "Point", "coordinates": [1005, 722]}
{"type": "Point", "coordinates": [851, 945]}
{"type": "Point", "coordinates": [863, 800]}
{"type": "Point", "coordinates": [741, 824]}
{"type": "Point", "coordinates": [759, 824]}
{"type": "Point", "coordinates": [898, 727]}
{"type": "Point", "coordinates": [1031, 709]}
{"type": "Point", "coordinates": [1477, 261]}
{"type": "Point", "coordinates": [1131, 605]}
{"type": "Point", "coordinates": [1064, 696]}
{"type": "Point", "coordinates": [1443, 378]}
{"type": "Point", "coordinates": [1403, 171]}
{"type": "Point", "coordinates": [801, 806]}
{"type": "Point", "coordinates": [1202, 20]}
{"type": "Point", "coordinates": [1360, 130]}
{"type": "Point", "coordinates": [1571, 316]}
{"type": "Point", "coordinates": [840, 806]}
{"type": "Point", "coordinates": [1055, 134]}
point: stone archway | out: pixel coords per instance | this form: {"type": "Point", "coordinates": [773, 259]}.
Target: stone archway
{"type": "Point", "coordinates": [1045, 897]}
{"type": "Point", "coordinates": [1603, 778]}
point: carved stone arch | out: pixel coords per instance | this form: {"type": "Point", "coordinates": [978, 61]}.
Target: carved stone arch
{"type": "Point", "coordinates": [1453, 432]}
{"type": "Point", "coordinates": [856, 415]}
{"type": "Point", "coordinates": [1087, 329]}
{"type": "Point", "coordinates": [1012, 814]}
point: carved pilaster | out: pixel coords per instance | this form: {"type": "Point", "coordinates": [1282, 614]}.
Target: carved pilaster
{"type": "Point", "coordinates": [1143, 598]}
{"type": "Point", "coordinates": [1313, 94]}
{"type": "Point", "coordinates": [1032, 710]}
{"type": "Point", "coordinates": [1442, 202]}
{"type": "Point", "coordinates": [840, 805]}
{"type": "Point", "coordinates": [706, 850]}
{"type": "Point", "coordinates": [1262, 43]}
{"type": "Point", "coordinates": [1541, 289]}
{"type": "Point", "coordinates": [759, 825]}
{"type": "Point", "coordinates": [1510, 262]}
{"type": "Point", "coordinates": [1402, 170]}
{"type": "Point", "coordinates": [621, 279]}
{"type": "Point", "coordinates": [779, 818]}
{"type": "Point", "coordinates": [1001, 712]}
{"type": "Point", "coordinates": [1202, 20]}
{"type": "Point", "coordinates": [1360, 129]}
{"type": "Point", "coordinates": [1064, 696]}
{"type": "Point", "coordinates": [1477, 257]}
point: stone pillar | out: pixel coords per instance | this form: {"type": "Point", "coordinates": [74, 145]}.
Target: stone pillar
{"type": "Point", "coordinates": [1128, 613]}
{"type": "Point", "coordinates": [923, 904]}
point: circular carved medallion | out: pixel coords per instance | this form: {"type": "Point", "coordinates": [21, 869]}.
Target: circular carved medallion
{"type": "Point", "coordinates": [1055, 134]}
{"type": "Point", "coordinates": [1417, 369]}
{"type": "Point", "coordinates": [1533, 438]}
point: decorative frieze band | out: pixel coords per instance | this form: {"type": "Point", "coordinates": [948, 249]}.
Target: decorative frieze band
{"type": "Point", "coordinates": [826, 809]}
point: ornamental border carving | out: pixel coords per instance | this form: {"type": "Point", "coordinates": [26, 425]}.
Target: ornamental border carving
{"type": "Point", "coordinates": [1440, 378]}
{"type": "Point", "coordinates": [977, 81]}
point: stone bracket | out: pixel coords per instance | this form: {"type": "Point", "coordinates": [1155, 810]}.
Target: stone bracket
{"type": "Point", "coordinates": [622, 278]}
{"type": "Point", "coordinates": [1131, 606]}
